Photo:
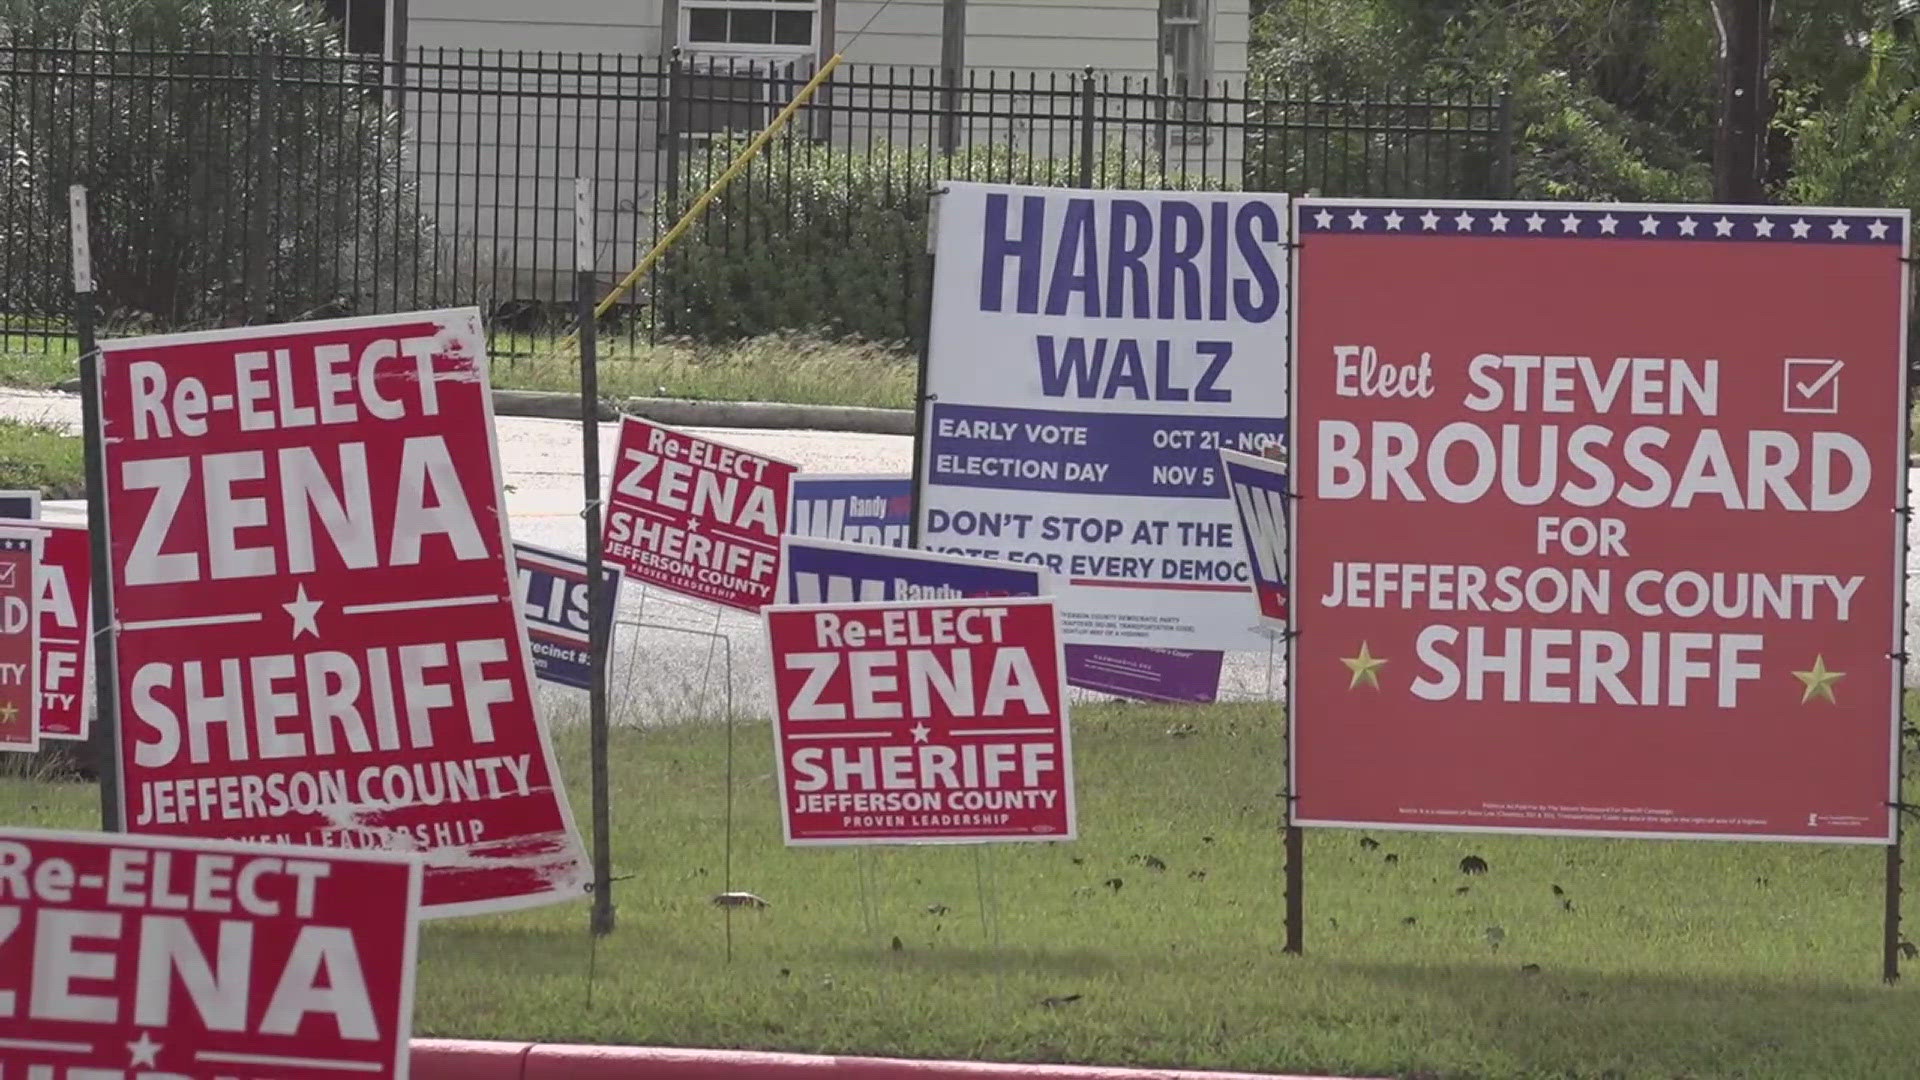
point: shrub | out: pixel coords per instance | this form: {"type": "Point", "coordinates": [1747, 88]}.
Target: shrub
{"type": "Point", "coordinates": [236, 163]}
{"type": "Point", "coordinates": [822, 238]}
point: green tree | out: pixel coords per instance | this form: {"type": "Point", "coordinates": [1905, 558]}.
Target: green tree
{"type": "Point", "coordinates": [236, 165]}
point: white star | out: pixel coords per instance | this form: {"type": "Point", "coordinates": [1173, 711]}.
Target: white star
{"type": "Point", "coordinates": [1763, 227]}
{"type": "Point", "coordinates": [1463, 222]}
{"type": "Point", "coordinates": [1649, 226]}
{"type": "Point", "coordinates": [1323, 219]}
{"type": "Point", "coordinates": [1801, 229]}
{"type": "Point", "coordinates": [144, 1051]}
{"type": "Point", "coordinates": [1608, 224]}
{"type": "Point", "coordinates": [1499, 222]}
{"type": "Point", "coordinates": [303, 611]}
{"type": "Point", "coordinates": [1838, 230]}
{"type": "Point", "coordinates": [1429, 219]}
{"type": "Point", "coordinates": [1393, 220]}
{"type": "Point", "coordinates": [1535, 221]}
{"type": "Point", "coordinates": [1723, 227]}
{"type": "Point", "coordinates": [1877, 230]}
{"type": "Point", "coordinates": [1569, 224]}
{"type": "Point", "coordinates": [1357, 219]}
{"type": "Point", "coordinates": [920, 732]}
{"type": "Point", "coordinates": [1687, 225]}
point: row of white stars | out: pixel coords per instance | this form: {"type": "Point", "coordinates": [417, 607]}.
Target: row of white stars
{"type": "Point", "coordinates": [1609, 225]}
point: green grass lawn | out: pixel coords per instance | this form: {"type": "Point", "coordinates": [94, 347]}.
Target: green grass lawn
{"type": "Point", "coordinates": [776, 367]}
{"type": "Point", "coordinates": [1155, 939]}
{"type": "Point", "coordinates": [41, 456]}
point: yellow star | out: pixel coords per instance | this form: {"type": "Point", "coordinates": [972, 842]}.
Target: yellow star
{"type": "Point", "coordinates": [1819, 682]}
{"type": "Point", "coordinates": [1365, 668]}
{"type": "Point", "coordinates": [7, 712]}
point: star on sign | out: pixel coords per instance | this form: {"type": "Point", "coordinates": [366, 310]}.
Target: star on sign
{"type": "Point", "coordinates": [1323, 219]}
{"type": "Point", "coordinates": [1838, 230]}
{"type": "Point", "coordinates": [1687, 225]}
{"type": "Point", "coordinates": [1723, 227]}
{"type": "Point", "coordinates": [7, 712]}
{"type": "Point", "coordinates": [303, 611]}
{"type": "Point", "coordinates": [1429, 220]}
{"type": "Point", "coordinates": [1819, 681]}
{"type": "Point", "coordinates": [920, 732]}
{"type": "Point", "coordinates": [1877, 230]}
{"type": "Point", "coordinates": [1393, 220]}
{"type": "Point", "coordinates": [1535, 221]}
{"type": "Point", "coordinates": [1463, 221]}
{"type": "Point", "coordinates": [1357, 219]}
{"type": "Point", "coordinates": [1608, 224]}
{"type": "Point", "coordinates": [1763, 227]}
{"type": "Point", "coordinates": [1498, 221]}
{"type": "Point", "coordinates": [1570, 223]}
{"type": "Point", "coordinates": [1649, 225]}
{"type": "Point", "coordinates": [144, 1052]}
{"type": "Point", "coordinates": [1801, 229]}
{"type": "Point", "coordinates": [1365, 668]}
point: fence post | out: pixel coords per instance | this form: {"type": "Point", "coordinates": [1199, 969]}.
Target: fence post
{"type": "Point", "coordinates": [259, 289]}
{"type": "Point", "coordinates": [599, 640]}
{"type": "Point", "coordinates": [1086, 127]}
{"type": "Point", "coordinates": [106, 686]}
{"type": "Point", "coordinates": [1503, 163]}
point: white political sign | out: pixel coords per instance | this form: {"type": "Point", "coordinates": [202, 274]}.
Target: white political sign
{"type": "Point", "coordinates": [1090, 354]}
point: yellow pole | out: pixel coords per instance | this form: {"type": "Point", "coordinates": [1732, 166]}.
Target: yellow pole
{"type": "Point", "coordinates": [713, 190]}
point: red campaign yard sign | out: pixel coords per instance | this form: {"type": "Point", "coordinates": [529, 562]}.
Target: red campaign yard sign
{"type": "Point", "coordinates": [19, 641]}
{"type": "Point", "coordinates": [928, 722]}
{"type": "Point", "coordinates": [316, 631]}
{"type": "Point", "coordinates": [696, 516]}
{"type": "Point", "coordinates": [66, 574]}
{"type": "Point", "coordinates": [133, 958]}
{"type": "Point", "coordinates": [1597, 526]}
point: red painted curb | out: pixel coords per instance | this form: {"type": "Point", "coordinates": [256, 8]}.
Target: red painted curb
{"type": "Point", "coordinates": [449, 1059]}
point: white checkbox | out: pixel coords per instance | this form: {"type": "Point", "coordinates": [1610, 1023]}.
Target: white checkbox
{"type": "Point", "coordinates": [1811, 386]}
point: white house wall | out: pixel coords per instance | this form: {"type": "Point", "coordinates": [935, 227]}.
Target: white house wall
{"type": "Point", "coordinates": [508, 193]}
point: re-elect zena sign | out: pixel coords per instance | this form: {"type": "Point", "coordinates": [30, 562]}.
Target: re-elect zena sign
{"type": "Point", "coordinates": [931, 722]}
{"type": "Point", "coordinates": [696, 516]}
{"type": "Point", "coordinates": [318, 640]}
{"type": "Point", "coordinates": [134, 958]}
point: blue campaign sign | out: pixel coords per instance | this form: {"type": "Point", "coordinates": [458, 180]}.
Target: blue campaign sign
{"type": "Point", "coordinates": [856, 508]}
{"type": "Point", "coordinates": [23, 505]}
{"type": "Point", "coordinates": [829, 571]}
{"type": "Point", "coordinates": [1259, 489]}
{"type": "Point", "coordinates": [553, 597]}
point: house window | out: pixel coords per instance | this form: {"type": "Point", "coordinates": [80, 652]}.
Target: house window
{"type": "Point", "coordinates": [756, 26]}
{"type": "Point", "coordinates": [726, 97]}
{"type": "Point", "coordinates": [362, 25]}
{"type": "Point", "coordinates": [1184, 38]}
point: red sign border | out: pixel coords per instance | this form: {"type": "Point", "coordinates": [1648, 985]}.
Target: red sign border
{"type": "Point", "coordinates": [1896, 650]}
{"type": "Point", "coordinates": [471, 316]}
{"type": "Point", "coordinates": [1067, 776]}
{"type": "Point", "coordinates": [416, 881]}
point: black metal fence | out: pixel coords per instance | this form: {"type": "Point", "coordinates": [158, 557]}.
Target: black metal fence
{"type": "Point", "coordinates": [271, 185]}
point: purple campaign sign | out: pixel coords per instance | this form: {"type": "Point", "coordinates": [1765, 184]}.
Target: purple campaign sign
{"type": "Point", "coordinates": [1258, 487]}
{"type": "Point", "coordinates": [1176, 675]}
{"type": "Point", "coordinates": [858, 509]}
{"type": "Point", "coordinates": [831, 572]}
